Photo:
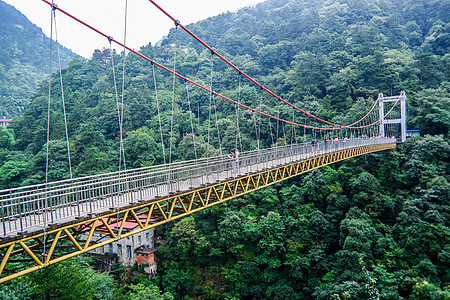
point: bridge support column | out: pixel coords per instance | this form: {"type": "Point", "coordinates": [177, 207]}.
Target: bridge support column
{"type": "Point", "coordinates": [402, 120]}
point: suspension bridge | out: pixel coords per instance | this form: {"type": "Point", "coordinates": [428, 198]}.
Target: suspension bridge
{"type": "Point", "coordinates": [46, 223]}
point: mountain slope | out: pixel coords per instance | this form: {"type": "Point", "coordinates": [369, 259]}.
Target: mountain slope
{"type": "Point", "coordinates": [320, 55]}
{"type": "Point", "coordinates": [304, 238]}
{"type": "Point", "coordinates": [24, 58]}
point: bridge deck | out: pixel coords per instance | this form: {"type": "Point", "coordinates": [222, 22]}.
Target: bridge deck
{"type": "Point", "coordinates": [92, 211]}
{"type": "Point", "coordinates": [29, 210]}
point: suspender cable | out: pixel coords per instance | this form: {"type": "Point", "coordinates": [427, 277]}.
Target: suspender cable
{"type": "Point", "coordinates": [283, 128]}
{"type": "Point", "coordinates": [198, 114]}
{"type": "Point", "coordinates": [369, 129]}
{"type": "Point", "coordinates": [237, 127]}
{"type": "Point", "coordinates": [209, 111]}
{"type": "Point", "coordinates": [173, 98]}
{"type": "Point", "coordinates": [214, 102]}
{"type": "Point", "coordinates": [117, 101]}
{"type": "Point", "coordinates": [217, 125]}
{"type": "Point", "coordinates": [292, 127]}
{"type": "Point", "coordinates": [118, 115]}
{"type": "Point", "coordinates": [236, 107]}
{"type": "Point", "coordinates": [237, 69]}
{"type": "Point", "coordinates": [369, 119]}
{"type": "Point", "coordinates": [169, 176]}
{"type": "Point", "coordinates": [161, 66]}
{"type": "Point", "coordinates": [62, 97]}
{"type": "Point", "coordinates": [159, 115]}
{"type": "Point", "coordinates": [257, 130]}
{"type": "Point", "coordinates": [304, 132]}
{"type": "Point", "coordinates": [152, 61]}
{"type": "Point", "coordinates": [259, 115]}
{"type": "Point", "coordinates": [122, 150]}
{"type": "Point", "coordinates": [192, 134]}
{"type": "Point", "coordinates": [321, 135]}
{"type": "Point", "coordinates": [276, 141]}
{"type": "Point", "coordinates": [260, 122]}
{"type": "Point", "coordinates": [373, 127]}
{"type": "Point", "coordinates": [270, 125]}
{"type": "Point", "coordinates": [190, 118]}
{"type": "Point", "coordinates": [209, 122]}
{"type": "Point", "coordinates": [194, 83]}
{"type": "Point", "coordinates": [53, 7]}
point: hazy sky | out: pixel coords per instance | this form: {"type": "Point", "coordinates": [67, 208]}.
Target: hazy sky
{"type": "Point", "coordinates": [145, 23]}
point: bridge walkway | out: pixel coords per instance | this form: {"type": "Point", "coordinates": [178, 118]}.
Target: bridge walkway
{"type": "Point", "coordinates": [29, 210]}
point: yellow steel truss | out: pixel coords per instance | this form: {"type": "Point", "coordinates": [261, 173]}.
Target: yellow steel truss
{"type": "Point", "coordinates": [58, 244]}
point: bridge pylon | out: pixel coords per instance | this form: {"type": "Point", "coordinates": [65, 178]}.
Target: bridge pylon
{"type": "Point", "coordinates": [401, 120]}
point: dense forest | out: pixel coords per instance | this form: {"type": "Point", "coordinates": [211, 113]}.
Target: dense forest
{"type": "Point", "coordinates": [372, 227]}
{"type": "Point", "coordinates": [24, 59]}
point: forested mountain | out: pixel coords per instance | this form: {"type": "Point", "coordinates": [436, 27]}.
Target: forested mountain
{"type": "Point", "coordinates": [335, 50]}
{"type": "Point", "coordinates": [350, 50]}
{"type": "Point", "coordinates": [374, 227]}
{"type": "Point", "coordinates": [24, 59]}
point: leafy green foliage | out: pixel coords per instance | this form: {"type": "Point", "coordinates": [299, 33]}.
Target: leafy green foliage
{"type": "Point", "coordinates": [301, 239]}
{"type": "Point", "coordinates": [307, 238]}
{"type": "Point", "coordinates": [70, 279]}
{"type": "Point", "coordinates": [24, 58]}
{"type": "Point", "coordinates": [142, 292]}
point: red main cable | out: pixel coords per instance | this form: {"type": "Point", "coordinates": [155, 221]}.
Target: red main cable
{"type": "Point", "coordinates": [177, 23]}
{"type": "Point", "coordinates": [375, 103]}
{"type": "Point", "coordinates": [379, 120]}
{"type": "Point", "coordinates": [111, 39]}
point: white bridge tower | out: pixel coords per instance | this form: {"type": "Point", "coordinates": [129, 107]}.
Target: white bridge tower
{"type": "Point", "coordinates": [401, 120]}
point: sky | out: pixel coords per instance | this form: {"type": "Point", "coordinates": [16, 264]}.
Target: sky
{"type": "Point", "coordinates": [145, 23]}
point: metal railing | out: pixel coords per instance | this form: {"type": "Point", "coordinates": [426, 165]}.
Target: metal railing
{"type": "Point", "coordinates": [37, 206]}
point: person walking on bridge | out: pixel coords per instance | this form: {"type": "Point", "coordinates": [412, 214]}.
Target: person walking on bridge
{"type": "Point", "coordinates": [314, 145]}
{"type": "Point", "coordinates": [236, 160]}
{"type": "Point", "coordinates": [234, 156]}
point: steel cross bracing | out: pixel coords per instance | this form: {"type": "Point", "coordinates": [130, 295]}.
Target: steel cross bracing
{"type": "Point", "coordinates": [78, 208]}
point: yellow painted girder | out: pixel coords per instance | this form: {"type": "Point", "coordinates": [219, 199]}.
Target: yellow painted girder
{"type": "Point", "coordinates": [180, 205]}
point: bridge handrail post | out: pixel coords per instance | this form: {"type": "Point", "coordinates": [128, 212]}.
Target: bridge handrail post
{"type": "Point", "coordinates": [258, 159]}
{"type": "Point", "coordinates": [19, 213]}
{"type": "Point", "coordinates": [177, 175]}
{"type": "Point", "coordinates": [155, 184]}
{"type": "Point", "coordinates": [191, 175]}
{"type": "Point", "coordinates": [111, 194]}
{"type": "Point", "coordinates": [130, 182]}
{"type": "Point", "coordinates": [266, 159]}
{"type": "Point", "coordinates": [288, 151]}
{"type": "Point", "coordinates": [3, 221]}
{"type": "Point", "coordinates": [90, 196]}
{"type": "Point", "coordinates": [277, 156]}
{"type": "Point", "coordinates": [293, 153]}
{"type": "Point", "coordinates": [50, 198]}
{"type": "Point", "coordinates": [77, 199]}
{"type": "Point", "coordinates": [309, 151]}
{"type": "Point", "coordinates": [169, 180]}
